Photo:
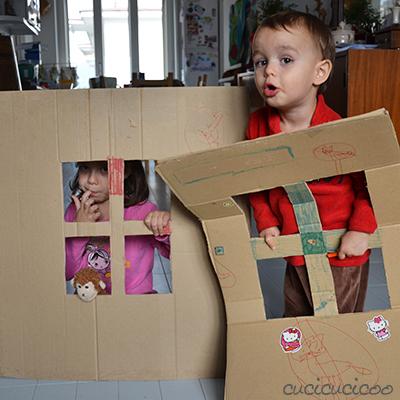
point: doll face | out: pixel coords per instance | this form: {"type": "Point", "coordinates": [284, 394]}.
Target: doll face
{"type": "Point", "coordinates": [99, 260]}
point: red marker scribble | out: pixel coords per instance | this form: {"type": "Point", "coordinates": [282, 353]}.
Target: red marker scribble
{"type": "Point", "coordinates": [226, 277]}
{"type": "Point", "coordinates": [205, 128]}
{"type": "Point", "coordinates": [335, 152]}
{"type": "Point", "coordinates": [322, 362]}
{"type": "Point", "coordinates": [210, 133]}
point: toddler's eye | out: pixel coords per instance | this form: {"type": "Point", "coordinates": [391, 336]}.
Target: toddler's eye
{"type": "Point", "coordinates": [260, 63]}
{"type": "Point", "coordinates": [286, 60]}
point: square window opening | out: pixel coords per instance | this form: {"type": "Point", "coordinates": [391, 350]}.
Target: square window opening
{"type": "Point", "coordinates": [147, 199]}
{"type": "Point", "coordinates": [86, 191]}
{"type": "Point", "coordinates": [281, 282]}
{"type": "Point", "coordinates": [88, 266]}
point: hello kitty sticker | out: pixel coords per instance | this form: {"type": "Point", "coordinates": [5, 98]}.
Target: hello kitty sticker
{"type": "Point", "coordinates": [291, 340]}
{"type": "Point", "coordinates": [379, 327]}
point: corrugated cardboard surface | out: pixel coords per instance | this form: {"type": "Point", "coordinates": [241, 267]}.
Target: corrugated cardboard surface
{"type": "Point", "coordinates": [47, 334]}
{"type": "Point", "coordinates": [337, 350]}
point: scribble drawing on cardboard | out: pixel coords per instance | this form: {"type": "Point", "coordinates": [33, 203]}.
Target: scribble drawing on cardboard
{"type": "Point", "coordinates": [318, 364]}
{"type": "Point", "coordinates": [235, 165]}
{"type": "Point", "coordinates": [227, 278]}
{"type": "Point", "coordinates": [205, 129]}
{"type": "Point", "coordinates": [335, 152]}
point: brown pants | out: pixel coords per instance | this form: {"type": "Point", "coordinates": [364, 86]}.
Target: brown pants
{"type": "Point", "coordinates": [350, 287]}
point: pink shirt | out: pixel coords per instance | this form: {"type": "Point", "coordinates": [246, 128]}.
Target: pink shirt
{"type": "Point", "coordinates": [82, 252]}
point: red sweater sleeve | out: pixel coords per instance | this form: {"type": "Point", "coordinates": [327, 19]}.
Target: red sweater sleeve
{"type": "Point", "coordinates": [362, 218]}
{"type": "Point", "coordinates": [263, 214]}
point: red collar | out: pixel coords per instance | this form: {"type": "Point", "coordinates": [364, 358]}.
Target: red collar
{"type": "Point", "coordinates": [322, 114]}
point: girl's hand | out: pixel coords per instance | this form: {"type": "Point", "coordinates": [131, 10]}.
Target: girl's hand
{"type": "Point", "coordinates": [86, 209]}
{"type": "Point", "coordinates": [269, 236]}
{"type": "Point", "coordinates": [353, 243]}
{"type": "Point", "coordinates": [157, 221]}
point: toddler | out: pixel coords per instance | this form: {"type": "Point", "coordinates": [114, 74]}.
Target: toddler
{"type": "Point", "coordinates": [293, 55]}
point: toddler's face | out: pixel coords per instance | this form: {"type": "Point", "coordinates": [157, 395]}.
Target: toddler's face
{"type": "Point", "coordinates": [286, 67]}
{"type": "Point", "coordinates": [93, 176]}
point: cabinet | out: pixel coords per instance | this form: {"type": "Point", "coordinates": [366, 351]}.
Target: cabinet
{"type": "Point", "coordinates": [364, 80]}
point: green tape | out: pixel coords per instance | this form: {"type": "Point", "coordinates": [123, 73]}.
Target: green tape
{"type": "Point", "coordinates": [299, 193]}
{"type": "Point", "coordinates": [313, 243]}
{"type": "Point", "coordinates": [307, 217]}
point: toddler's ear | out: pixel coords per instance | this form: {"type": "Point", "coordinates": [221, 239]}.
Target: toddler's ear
{"type": "Point", "coordinates": [322, 72]}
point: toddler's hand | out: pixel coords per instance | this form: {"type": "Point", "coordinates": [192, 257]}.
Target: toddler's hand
{"type": "Point", "coordinates": [157, 221]}
{"type": "Point", "coordinates": [86, 209]}
{"type": "Point", "coordinates": [269, 236]}
{"type": "Point", "coordinates": [353, 243]}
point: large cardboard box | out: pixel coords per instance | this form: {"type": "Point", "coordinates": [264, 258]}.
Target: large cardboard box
{"type": "Point", "coordinates": [327, 356]}
{"type": "Point", "coordinates": [47, 334]}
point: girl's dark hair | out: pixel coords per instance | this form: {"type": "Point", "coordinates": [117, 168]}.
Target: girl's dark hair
{"type": "Point", "coordinates": [136, 189]}
{"type": "Point", "coordinates": [320, 32]}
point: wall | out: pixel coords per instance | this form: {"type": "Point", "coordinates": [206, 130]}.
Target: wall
{"type": "Point", "coordinates": [301, 6]}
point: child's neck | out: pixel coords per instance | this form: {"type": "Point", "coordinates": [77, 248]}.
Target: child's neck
{"type": "Point", "coordinates": [298, 118]}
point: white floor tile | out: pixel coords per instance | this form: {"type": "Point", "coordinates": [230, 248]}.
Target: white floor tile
{"type": "Point", "coordinates": [17, 392]}
{"type": "Point", "coordinates": [12, 382]}
{"type": "Point", "coordinates": [140, 390]}
{"type": "Point", "coordinates": [97, 391]}
{"type": "Point", "coordinates": [182, 390]}
{"type": "Point", "coordinates": [55, 391]}
{"type": "Point", "coordinates": [213, 388]}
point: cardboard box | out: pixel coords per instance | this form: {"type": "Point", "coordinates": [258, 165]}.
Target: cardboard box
{"type": "Point", "coordinates": [47, 334]}
{"type": "Point", "coordinates": [333, 352]}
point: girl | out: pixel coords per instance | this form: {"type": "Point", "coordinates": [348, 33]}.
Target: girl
{"type": "Point", "coordinates": [93, 206]}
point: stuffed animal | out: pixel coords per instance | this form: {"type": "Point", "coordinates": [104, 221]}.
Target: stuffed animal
{"type": "Point", "coordinates": [88, 284]}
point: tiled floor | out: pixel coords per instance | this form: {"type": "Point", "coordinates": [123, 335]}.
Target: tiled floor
{"type": "Point", "coordinates": [271, 274]}
{"type": "Point", "coordinates": [21, 389]}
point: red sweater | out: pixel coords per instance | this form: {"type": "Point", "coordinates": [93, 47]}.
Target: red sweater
{"type": "Point", "coordinates": [342, 201]}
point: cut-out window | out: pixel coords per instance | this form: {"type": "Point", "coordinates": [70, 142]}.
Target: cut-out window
{"type": "Point", "coordinates": [282, 282]}
{"type": "Point", "coordinates": [147, 261]}
{"type": "Point", "coordinates": [86, 191]}
{"type": "Point", "coordinates": [82, 253]}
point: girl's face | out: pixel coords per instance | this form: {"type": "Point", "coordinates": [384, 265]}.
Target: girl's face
{"type": "Point", "coordinates": [93, 176]}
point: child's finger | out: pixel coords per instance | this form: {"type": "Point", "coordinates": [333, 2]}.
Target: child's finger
{"type": "Point", "coordinates": [94, 209]}
{"type": "Point", "coordinates": [271, 242]}
{"type": "Point", "coordinates": [153, 224]}
{"type": "Point", "coordinates": [95, 216]}
{"type": "Point", "coordinates": [86, 196]}
{"type": "Point", "coordinates": [88, 203]}
{"type": "Point", "coordinates": [76, 202]}
{"type": "Point", "coordinates": [341, 255]}
{"type": "Point", "coordinates": [165, 219]}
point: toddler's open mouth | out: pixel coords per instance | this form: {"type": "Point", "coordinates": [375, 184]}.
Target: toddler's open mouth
{"type": "Point", "coordinates": [270, 90]}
